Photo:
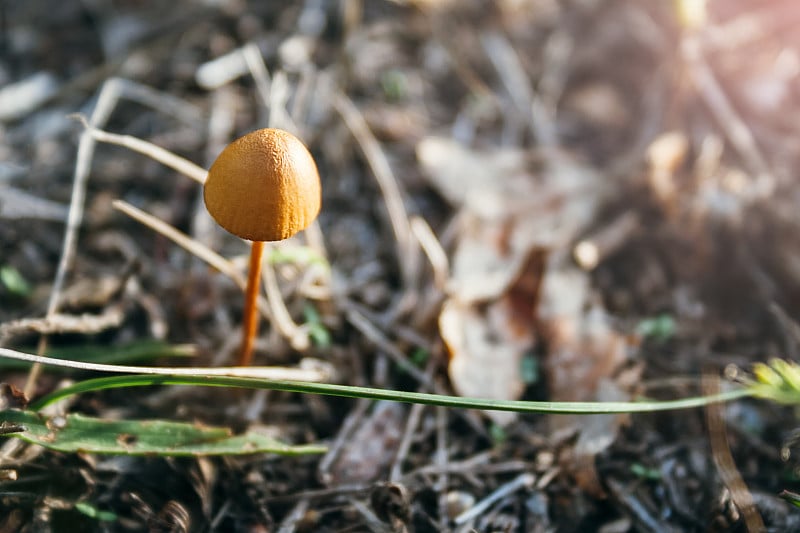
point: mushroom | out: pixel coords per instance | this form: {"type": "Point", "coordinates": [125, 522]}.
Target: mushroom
{"type": "Point", "coordinates": [264, 186]}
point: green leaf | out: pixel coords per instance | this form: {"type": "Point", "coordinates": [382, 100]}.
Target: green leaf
{"type": "Point", "coordinates": [791, 497]}
{"type": "Point", "coordinates": [498, 434]}
{"type": "Point", "coordinates": [304, 255]}
{"type": "Point", "coordinates": [644, 472]}
{"type": "Point", "coordinates": [78, 433]}
{"type": "Point", "coordinates": [660, 328]}
{"type": "Point", "coordinates": [420, 357]}
{"type": "Point", "coordinates": [93, 512]}
{"type": "Point", "coordinates": [14, 282]}
{"type": "Point", "coordinates": [529, 369]}
{"type": "Point", "coordinates": [395, 85]}
{"type": "Point", "coordinates": [349, 391]}
{"type": "Point", "coordinates": [316, 329]}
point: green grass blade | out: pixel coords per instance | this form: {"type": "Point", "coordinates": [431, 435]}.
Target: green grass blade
{"type": "Point", "coordinates": [383, 394]}
{"type": "Point", "coordinates": [78, 433]}
{"type": "Point", "coordinates": [93, 512]}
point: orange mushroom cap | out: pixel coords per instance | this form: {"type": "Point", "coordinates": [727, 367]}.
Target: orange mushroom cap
{"type": "Point", "coordinates": [264, 186]}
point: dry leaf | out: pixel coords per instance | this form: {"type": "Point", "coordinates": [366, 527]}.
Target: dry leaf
{"type": "Point", "coordinates": [507, 210]}
{"type": "Point", "coordinates": [511, 212]}
{"type": "Point", "coordinates": [583, 348]}
{"type": "Point", "coordinates": [369, 452]}
{"type": "Point", "coordinates": [485, 353]}
{"type": "Point", "coordinates": [584, 355]}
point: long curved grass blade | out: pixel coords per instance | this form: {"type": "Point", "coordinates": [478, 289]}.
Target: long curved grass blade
{"type": "Point", "coordinates": [78, 433]}
{"type": "Point", "coordinates": [114, 382]}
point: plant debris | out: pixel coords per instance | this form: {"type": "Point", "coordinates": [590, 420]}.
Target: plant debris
{"type": "Point", "coordinates": [521, 199]}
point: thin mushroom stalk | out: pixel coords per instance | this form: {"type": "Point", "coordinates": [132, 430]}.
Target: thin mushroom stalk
{"type": "Point", "coordinates": [262, 187]}
{"type": "Point", "coordinates": [250, 317]}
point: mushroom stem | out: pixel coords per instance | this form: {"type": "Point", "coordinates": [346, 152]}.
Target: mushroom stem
{"type": "Point", "coordinates": [250, 318]}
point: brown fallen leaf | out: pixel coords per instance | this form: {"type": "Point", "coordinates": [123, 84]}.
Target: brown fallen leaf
{"type": "Point", "coordinates": [513, 210]}
{"type": "Point", "coordinates": [485, 354]}
{"type": "Point", "coordinates": [370, 450]}
{"type": "Point", "coordinates": [583, 348]}
{"type": "Point", "coordinates": [584, 356]}
{"type": "Point", "coordinates": [507, 208]}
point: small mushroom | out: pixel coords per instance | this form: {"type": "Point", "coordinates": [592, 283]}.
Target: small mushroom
{"type": "Point", "coordinates": [262, 187]}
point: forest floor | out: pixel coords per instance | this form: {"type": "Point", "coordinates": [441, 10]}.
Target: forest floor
{"type": "Point", "coordinates": [589, 200]}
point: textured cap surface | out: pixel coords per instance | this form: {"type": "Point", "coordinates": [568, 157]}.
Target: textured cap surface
{"type": "Point", "coordinates": [264, 186]}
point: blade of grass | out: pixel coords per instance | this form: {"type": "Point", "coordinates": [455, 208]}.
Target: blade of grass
{"type": "Point", "coordinates": [392, 395]}
{"type": "Point", "coordinates": [231, 377]}
{"type": "Point", "coordinates": [269, 372]}
{"type": "Point", "coordinates": [78, 433]}
{"type": "Point", "coordinates": [127, 353]}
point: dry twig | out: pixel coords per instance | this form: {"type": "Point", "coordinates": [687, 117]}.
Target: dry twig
{"type": "Point", "coordinates": [726, 466]}
{"type": "Point", "coordinates": [406, 250]}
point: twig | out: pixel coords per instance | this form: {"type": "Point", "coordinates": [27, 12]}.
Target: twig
{"type": "Point", "coordinates": [525, 480]}
{"type": "Point", "coordinates": [371, 332]}
{"type": "Point", "coordinates": [444, 34]}
{"type": "Point", "coordinates": [474, 465]}
{"type": "Point", "coordinates": [407, 254]}
{"type": "Point", "coordinates": [153, 151]}
{"type": "Point", "coordinates": [296, 335]}
{"type": "Point", "coordinates": [256, 406]}
{"type": "Point", "coordinates": [159, 101]}
{"type": "Point", "coordinates": [555, 69]}
{"type": "Point", "coordinates": [62, 323]}
{"type": "Point", "coordinates": [508, 65]}
{"type": "Point", "coordinates": [350, 424]}
{"type": "Point", "coordinates": [433, 250]}
{"type": "Point", "coordinates": [18, 204]}
{"type": "Point", "coordinates": [192, 246]}
{"type": "Point", "coordinates": [372, 522]}
{"type": "Point", "coordinates": [113, 89]}
{"type": "Point", "coordinates": [258, 70]}
{"type": "Point", "coordinates": [441, 460]}
{"type": "Point", "coordinates": [396, 472]}
{"type": "Point", "coordinates": [220, 127]}
{"type": "Point", "coordinates": [644, 516]}
{"type": "Point", "coordinates": [735, 128]}
{"type": "Point", "coordinates": [224, 69]}
{"type": "Point", "coordinates": [220, 515]}
{"type": "Point", "coordinates": [109, 94]}
{"type": "Point", "coordinates": [789, 327]}
{"type": "Point", "coordinates": [289, 522]}
{"type": "Point", "coordinates": [592, 250]}
{"type": "Point", "coordinates": [723, 459]}
{"type": "Point", "coordinates": [303, 93]}
{"type": "Point", "coordinates": [316, 240]}
{"type": "Point", "coordinates": [362, 323]}
{"type": "Point", "coordinates": [184, 241]}
{"type": "Point", "coordinates": [278, 96]}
